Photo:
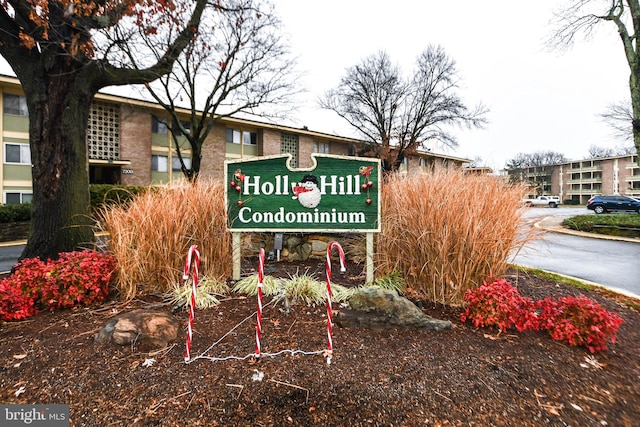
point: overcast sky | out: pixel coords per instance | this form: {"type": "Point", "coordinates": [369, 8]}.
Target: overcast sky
{"type": "Point", "coordinates": [539, 99]}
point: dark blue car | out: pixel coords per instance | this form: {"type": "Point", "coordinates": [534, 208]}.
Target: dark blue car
{"type": "Point", "coordinates": [613, 203]}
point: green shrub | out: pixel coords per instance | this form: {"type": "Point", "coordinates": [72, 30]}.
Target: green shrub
{"type": "Point", "coordinates": [13, 213]}
{"type": "Point", "coordinates": [614, 224]}
{"type": "Point", "coordinates": [100, 194]}
{"type": "Point", "coordinates": [114, 195]}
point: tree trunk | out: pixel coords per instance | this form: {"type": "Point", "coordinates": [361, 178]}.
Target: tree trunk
{"type": "Point", "coordinates": [61, 219]}
{"type": "Point", "coordinates": [634, 84]}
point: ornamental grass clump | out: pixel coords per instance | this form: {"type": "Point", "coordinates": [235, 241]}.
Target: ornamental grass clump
{"type": "Point", "coordinates": [303, 287]}
{"type": "Point", "coordinates": [207, 295]}
{"type": "Point", "coordinates": [150, 237]}
{"type": "Point", "coordinates": [447, 231]}
{"type": "Point", "coordinates": [249, 285]}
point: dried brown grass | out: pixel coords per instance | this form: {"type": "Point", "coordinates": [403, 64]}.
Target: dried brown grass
{"type": "Point", "coordinates": [151, 236]}
{"type": "Point", "coordinates": [447, 232]}
{"type": "Point", "coordinates": [443, 231]}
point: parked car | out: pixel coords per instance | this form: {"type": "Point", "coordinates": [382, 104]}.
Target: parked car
{"type": "Point", "coordinates": [613, 203]}
{"type": "Point", "coordinates": [551, 201]}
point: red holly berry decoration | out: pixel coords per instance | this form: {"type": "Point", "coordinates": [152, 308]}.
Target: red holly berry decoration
{"type": "Point", "coordinates": [240, 203]}
{"type": "Point", "coordinates": [232, 183]}
{"type": "Point", "coordinates": [369, 201]}
{"type": "Point", "coordinates": [369, 184]}
{"type": "Point", "coordinates": [238, 188]}
{"type": "Point", "coordinates": [364, 186]}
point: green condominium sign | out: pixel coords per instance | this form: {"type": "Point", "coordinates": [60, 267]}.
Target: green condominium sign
{"type": "Point", "coordinates": [339, 194]}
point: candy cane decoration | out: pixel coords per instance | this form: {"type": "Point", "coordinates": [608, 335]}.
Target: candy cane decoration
{"type": "Point", "coordinates": [259, 318]}
{"type": "Point", "coordinates": [329, 295]}
{"type": "Point", "coordinates": [195, 254]}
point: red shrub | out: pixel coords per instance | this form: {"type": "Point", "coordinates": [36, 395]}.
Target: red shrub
{"type": "Point", "coordinates": [577, 321]}
{"type": "Point", "coordinates": [14, 305]}
{"type": "Point", "coordinates": [498, 304]}
{"type": "Point", "coordinates": [74, 278]}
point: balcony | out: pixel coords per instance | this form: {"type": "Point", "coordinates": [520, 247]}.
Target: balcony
{"type": "Point", "coordinates": [597, 180]}
{"type": "Point", "coordinates": [594, 168]}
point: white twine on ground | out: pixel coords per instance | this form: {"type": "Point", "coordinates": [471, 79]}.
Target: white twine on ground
{"type": "Point", "coordinates": [328, 353]}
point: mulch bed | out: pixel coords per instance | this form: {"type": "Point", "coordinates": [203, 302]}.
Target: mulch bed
{"type": "Point", "coordinates": [389, 377]}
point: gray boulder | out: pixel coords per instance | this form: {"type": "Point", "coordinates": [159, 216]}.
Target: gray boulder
{"type": "Point", "coordinates": [153, 328]}
{"type": "Point", "coordinates": [375, 307]}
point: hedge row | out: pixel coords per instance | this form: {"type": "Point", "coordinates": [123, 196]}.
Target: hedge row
{"type": "Point", "coordinates": [101, 195]}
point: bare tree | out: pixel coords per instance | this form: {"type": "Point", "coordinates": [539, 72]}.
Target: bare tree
{"type": "Point", "coordinates": [238, 63]}
{"type": "Point", "coordinates": [63, 52]}
{"type": "Point", "coordinates": [515, 167]}
{"type": "Point", "coordinates": [597, 152]}
{"type": "Point", "coordinates": [619, 116]}
{"type": "Point", "coordinates": [624, 150]}
{"type": "Point", "coordinates": [582, 17]}
{"type": "Point", "coordinates": [397, 116]}
{"type": "Point", "coordinates": [533, 168]}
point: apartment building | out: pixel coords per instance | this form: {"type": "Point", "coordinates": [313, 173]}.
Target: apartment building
{"type": "Point", "coordinates": [577, 181]}
{"type": "Point", "coordinates": [130, 143]}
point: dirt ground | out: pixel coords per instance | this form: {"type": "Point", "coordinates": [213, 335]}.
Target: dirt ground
{"type": "Point", "coordinates": [391, 377]}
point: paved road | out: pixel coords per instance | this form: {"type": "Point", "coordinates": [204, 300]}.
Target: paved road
{"type": "Point", "coordinates": [9, 255]}
{"type": "Point", "coordinates": [613, 264]}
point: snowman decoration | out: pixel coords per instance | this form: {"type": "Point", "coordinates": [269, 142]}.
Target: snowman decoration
{"type": "Point", "coordinates": [307, 192]}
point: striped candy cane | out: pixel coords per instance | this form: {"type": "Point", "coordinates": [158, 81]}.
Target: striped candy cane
{"type": "Point", "coordinates": [259, 318]}
{"type": "Point", "coordinates": [329, 295]}
{"type": "Point", "coordinates": [194, 254]}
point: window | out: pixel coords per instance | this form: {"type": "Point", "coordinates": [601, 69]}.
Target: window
{"type": "Point", "coordinates": [159, 126]}
{"type": "Point", "coordinates": [103, 131]}
{"type": "Point", "coordinates": [17, 153]}
{"type": "Point", "coordinates": [234, 136]}
{"type": "Point", "coordinates": [250, 138]}
{"type": "Point", "coordinates": [289, 144]}
{"type": "Point", "coordinates": [175, 163]}
{"type": "Point", "coordinates": [321, 147]}
{"type": "Point", "coordinates": [17, 198]}
{"type": "Point", "coordinates": [159, 163]}
{"type": "Point", "coordinates": [15, 104]}
{"type": "Point", "coordinates": [176, 129]}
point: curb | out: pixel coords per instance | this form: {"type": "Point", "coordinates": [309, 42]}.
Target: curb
{"type": "Point", "coordinates": [12, 243]}
{"type": "Point", "coordinates": [557, 228]}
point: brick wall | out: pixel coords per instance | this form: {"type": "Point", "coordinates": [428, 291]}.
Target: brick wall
{"type": "Point", "coordinates": [214, 153]}
{"type": "Point", "coordinates": [624, 174]}
{"type": "Point", "coordinates": [607, 177]}
{"type": "Point", "coordinates": [135, 144]}
{"type": "Point", "coordinates": [305, 149]}
{"type": "Point", "coordinates": [270, 142]}
{"type": "Point", "coordinates": [340, 149]}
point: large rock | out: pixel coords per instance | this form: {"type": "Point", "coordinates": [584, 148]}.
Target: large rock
{"type": "Point", "coordinates": [154, 328]}
{"type": "Point", "coordinates": [375, 307]}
